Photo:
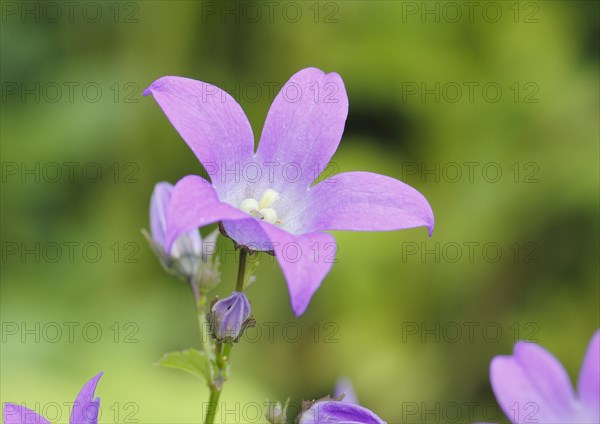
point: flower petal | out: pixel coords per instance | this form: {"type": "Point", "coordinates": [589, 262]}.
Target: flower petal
{"type": "Point", "coordinates": [532, 386]}
{"type": "Point", "coordinates": [188, 245]}
{"type": "Point", "coordinates": [158, 210]}
{"type": "Point", "coordinates": [86, 408]}
{"type": "Point", "coordinates": [305, 261]}
{"type": "Point", "coordinates": [210, 121]}
{"type": "Point", "coordinates": [194, 204]}
{"type": "Point", "coordinates": [17, 414]}
{"type": "Point", "coordinates": [588, 386]}
{"type": "Point", "coordinates": [363, 201]}
{"type": "Point", "coordinates": [303, 129]}
{"type": "Point", "coordinates": [330, 412]}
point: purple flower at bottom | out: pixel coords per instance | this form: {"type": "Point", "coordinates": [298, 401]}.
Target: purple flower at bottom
{"type": "Point", "coordinates": [329, 411]}
{"type": "Point", "coordinates": [266, 200]}
{"type": "Point", "coordinates": [85, 408]}
{"type": "Point", "coordinates": [532, 386]}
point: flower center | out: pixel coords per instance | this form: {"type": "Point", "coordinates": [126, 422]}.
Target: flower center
{"type": "Point", "coordinates": [262, 209]}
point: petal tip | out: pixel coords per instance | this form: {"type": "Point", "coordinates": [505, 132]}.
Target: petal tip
{"type": "Point", "coordinates": [430, 228]}
{"type": "Point", "coordinates": [156, 85]}
{"type": "Point", "coordinates": [299, 306]}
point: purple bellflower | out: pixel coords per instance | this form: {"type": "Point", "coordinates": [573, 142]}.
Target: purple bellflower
{"type": "Point", "coordinates": [85, 408]}
{"type": "Point", "coordinates": [329, 411]}
{"type": "Point", "coordinates": [265, 200]}
{"type": "Point", "coordinates": [188, 256]}
{"type": "Point", "coordinates": [343, 408]}
{"type": "Point", "coordinates": [532, 386]}
{"type": "Point", "coordinates": [229, 317]}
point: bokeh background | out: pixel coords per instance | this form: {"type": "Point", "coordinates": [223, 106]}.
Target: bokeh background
{"type": "Point", "coordinates": [488, 108]}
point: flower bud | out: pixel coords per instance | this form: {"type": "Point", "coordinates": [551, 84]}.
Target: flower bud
{"type": "Point", "coordinates": [189, 257]}
{"type": "Point", "coordinates": [229, 317]}
{"type": "Point", "coordinates": [276, 414]}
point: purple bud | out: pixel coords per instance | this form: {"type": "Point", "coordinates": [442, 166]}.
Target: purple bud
{"type": "Point", "coordinates": [188, 243]}
{"type": "Point", "coordinates": [229, 317]}
{"type": "Point", "coordinates": [190, 257]}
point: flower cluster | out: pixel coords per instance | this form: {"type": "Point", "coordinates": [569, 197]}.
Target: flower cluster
{"type": "Point", "coordinates": [277, 212]}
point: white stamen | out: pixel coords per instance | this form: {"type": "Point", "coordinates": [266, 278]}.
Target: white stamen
{"type": "Point", "coordinates": [249, 205]}
{"type": "Point", "coordinates": [269, 197]}
{"type": "Point", "coordinates": [262, 210]}
{"type": "Point", "coordinates": [269, 215]}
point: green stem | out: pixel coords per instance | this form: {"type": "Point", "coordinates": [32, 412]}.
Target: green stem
{"type": "Point", "coordinates": [222, 350]}
{"type": "Point", "coordinates": [241, 270]}
{"type": "Point", "coordinates": [211, 412]}
{"type": "Point", "coordinates": [204, 333]}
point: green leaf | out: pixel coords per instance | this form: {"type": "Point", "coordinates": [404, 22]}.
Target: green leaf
{"type": "Point", "coordinates": [190, 360]}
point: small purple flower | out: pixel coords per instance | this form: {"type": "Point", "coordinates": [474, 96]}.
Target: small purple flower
{"type": "Point", "coordinates": [85, 408]}
{"type": "Point", "coordinates": [189, 252]}
{"type": "Point", "coordinates": [532, 386]}
{"type": "Point", "coordinates": [329, 411]}
{"type": "Point", "coordinates": [266, 200]}
{"type": "Point", "coordinates": [229, 317]}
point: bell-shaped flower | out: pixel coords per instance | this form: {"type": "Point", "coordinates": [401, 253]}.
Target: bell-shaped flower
{"type": "Point", "coordinates": [229, 317]}
{"type": "Point", "coordinates": [532, 386]}
{"type": "Point", "coordinates": [85, 408]}
{"type": "Point", "coordinates": [330, 411]}
{"type": "Point", "coordinates": [188, 257]}
{"type": "Point", "coordinates": [266, 200]}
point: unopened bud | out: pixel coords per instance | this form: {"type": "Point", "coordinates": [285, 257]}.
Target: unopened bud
{"type": "Point", "coordinates": [276, 414]}
{"type": "Point", "coordinates": [229, 317]}
{"type": "Point", "coordinates": [190, 257]}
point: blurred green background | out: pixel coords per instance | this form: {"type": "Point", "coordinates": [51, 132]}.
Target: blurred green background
{"type": "Point", "coordinates": [510, 169]}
